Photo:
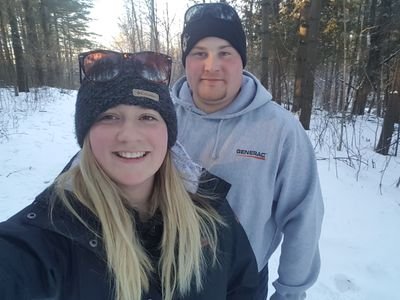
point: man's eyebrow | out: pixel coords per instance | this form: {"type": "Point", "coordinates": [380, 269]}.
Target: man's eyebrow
{"type": "Point", "coordinates": [219, 48]}
{"type": "Point", "coordinates": [226, 46]}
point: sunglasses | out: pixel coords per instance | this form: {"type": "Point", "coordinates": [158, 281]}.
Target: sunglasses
{"type": "Point", "coordinates": [219, 10]}
{"type": "Point", "coordinates": [104, 65]}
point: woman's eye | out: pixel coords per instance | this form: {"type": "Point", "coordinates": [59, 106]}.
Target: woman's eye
{"type": "Point", "coordinates": [198, 54]}
{"type": "Point", "coordinates": [107, 117]}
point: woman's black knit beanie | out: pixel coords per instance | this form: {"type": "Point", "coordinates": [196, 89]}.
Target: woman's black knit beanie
{"type": "Point", "coordinates": [95, 98]}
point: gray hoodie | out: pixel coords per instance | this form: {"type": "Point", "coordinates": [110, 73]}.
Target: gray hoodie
{"type": "Point", "coordinates": [264, 152]}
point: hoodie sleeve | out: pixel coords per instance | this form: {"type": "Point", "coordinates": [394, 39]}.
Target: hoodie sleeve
{"type": "Point", "coordinates": [299, 212]}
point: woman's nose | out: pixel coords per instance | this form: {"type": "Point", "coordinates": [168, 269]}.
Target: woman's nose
{"type": "Point", "coordinates": [128, 131]}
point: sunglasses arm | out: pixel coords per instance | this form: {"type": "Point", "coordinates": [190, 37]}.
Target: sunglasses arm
{"type": "Point", "coordinates": [80, 72]}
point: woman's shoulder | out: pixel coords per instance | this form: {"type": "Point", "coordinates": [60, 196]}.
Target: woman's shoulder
{"type": "Point", "coordinates": [37, 259]}
{"type": "Point", "coordinates": [26, 254]}
{"type": "Point", "coordinates": [21, 231]}
{"type": "Point", "coordinates": [42, 224]}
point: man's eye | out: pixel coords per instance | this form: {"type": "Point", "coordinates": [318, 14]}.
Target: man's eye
{"type": "Point", "coordinates": [148, 118]}
{"type": "Point", "coordinates": [225, 53]}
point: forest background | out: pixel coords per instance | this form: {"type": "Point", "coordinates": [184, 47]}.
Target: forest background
{"type": "Point", "coordinates": [336, 62]}
{"type": "Point", "coordinates": [338, 57]}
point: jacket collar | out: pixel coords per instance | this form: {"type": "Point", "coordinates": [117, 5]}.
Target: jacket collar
{"type": "Point", "coordinates": [59, 220]}
{"type": "Point", "coordinates": [213, 185]}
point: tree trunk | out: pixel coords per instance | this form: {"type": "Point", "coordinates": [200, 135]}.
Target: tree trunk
{"type": "Point", "coordinates": [391, 117]}
{"type": "Point", "coordinates": [327, 92]}
{"type": "Point", "coordinates": [58, 71]}
{"type": "Point", "coordinates": [22, 83]}
{"type": "Point", "coordinates": [378, 35]}
{"type": "Point", "coordinates": [48, 37]}
{"type": "Point", "coordinates": [253, 62]}
{"type": "Point", "coordinates": [7, 71]}
{"type": "Point", "coordinates": [365, 85]}
{"type": "Point", "coordinates": [135, 37]}
{"type": "Point", "coordinates": [306, 60]}
{"type": "Point", "coordinates": [33, 47]}
{"type": "Point", "coordinates": [265, 41]}
{"type": "Point", "coordinates": [154, 38]}
{"type": "Point", "coordinates": [277, 81]}
{"type": "Point", "coordinates": [168, 32]}
{"type": "Point", "coordinates": [392, 114]}
{"type": "Point", "coordinates": [336, 104]}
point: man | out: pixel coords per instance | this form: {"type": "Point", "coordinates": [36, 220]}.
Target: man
{"type": "Point", "coordinates": [228, 123]}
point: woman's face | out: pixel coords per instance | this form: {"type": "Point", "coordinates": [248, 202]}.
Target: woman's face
{"type": "Point", "coordinates": [130, 143]}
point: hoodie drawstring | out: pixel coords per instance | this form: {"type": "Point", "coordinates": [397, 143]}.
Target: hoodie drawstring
{"type": "Point", "coordinates": [215, 150]}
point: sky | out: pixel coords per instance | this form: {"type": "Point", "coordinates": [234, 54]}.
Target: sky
{"type": "Point", "coordinates": [106, 14]}
{"type": "Point", "coordinates": [360, 238]}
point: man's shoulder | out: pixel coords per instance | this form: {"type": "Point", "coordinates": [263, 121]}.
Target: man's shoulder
{"type": "Point", "coordinates": [276, 112]}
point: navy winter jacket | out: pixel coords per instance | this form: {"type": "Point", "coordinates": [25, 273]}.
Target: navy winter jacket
{"type": "Point", "coordinates": [59, 258]}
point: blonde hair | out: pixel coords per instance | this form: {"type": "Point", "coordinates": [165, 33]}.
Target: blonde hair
{"type": "Point", "coordinates": [186, 226]}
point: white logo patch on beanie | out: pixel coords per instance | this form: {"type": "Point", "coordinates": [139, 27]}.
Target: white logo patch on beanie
{"type": "Point", "coordinates": [146, 94]}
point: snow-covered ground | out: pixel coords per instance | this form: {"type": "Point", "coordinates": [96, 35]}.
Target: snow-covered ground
{"type": "Point", "coordinates": [360, 240]}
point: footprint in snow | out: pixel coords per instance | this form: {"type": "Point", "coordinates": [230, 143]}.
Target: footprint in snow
{"type": "Point", "coordinates": [344, 284]}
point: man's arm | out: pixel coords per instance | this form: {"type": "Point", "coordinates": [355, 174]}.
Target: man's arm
{"type": "Point", "coordinates": [299, 215]}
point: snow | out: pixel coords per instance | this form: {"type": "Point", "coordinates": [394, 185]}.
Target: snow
{"type": "Point", "coordinates": [360, 239]}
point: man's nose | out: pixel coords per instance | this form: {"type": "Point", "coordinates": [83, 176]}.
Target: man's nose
{"type": "Point", "coordinates": [212, 63]}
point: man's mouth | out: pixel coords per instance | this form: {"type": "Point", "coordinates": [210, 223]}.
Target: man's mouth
{"type": "Point", "coordinates": [212, 79]}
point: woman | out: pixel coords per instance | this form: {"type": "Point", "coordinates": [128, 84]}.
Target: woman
{"type": "Point", "coordinates": [121, 224]}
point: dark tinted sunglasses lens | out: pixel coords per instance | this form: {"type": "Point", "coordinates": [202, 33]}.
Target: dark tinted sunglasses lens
{"type": "Point", "coordinates": [214, 10]}
{"type": "Point", "coordinates": [193, 13]}
{"type": "Point", "coordinates": [153, 66]}
{"type": "Point", "coordinates": [101, 66]}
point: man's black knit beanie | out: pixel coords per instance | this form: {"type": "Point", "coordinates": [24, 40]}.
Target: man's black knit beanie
{"type": "Point", "coordinates": [209, 26]}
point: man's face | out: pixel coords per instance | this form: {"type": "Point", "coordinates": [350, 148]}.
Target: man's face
{"type": "Point", "coordinates": [214, 73]}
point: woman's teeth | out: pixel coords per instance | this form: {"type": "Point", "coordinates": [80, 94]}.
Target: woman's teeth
{"type": "Point", "coordinates": [131, 154]}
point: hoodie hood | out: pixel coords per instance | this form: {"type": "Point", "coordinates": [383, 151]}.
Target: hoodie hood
{"type": "Point", "coordinates": [251, 96]}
